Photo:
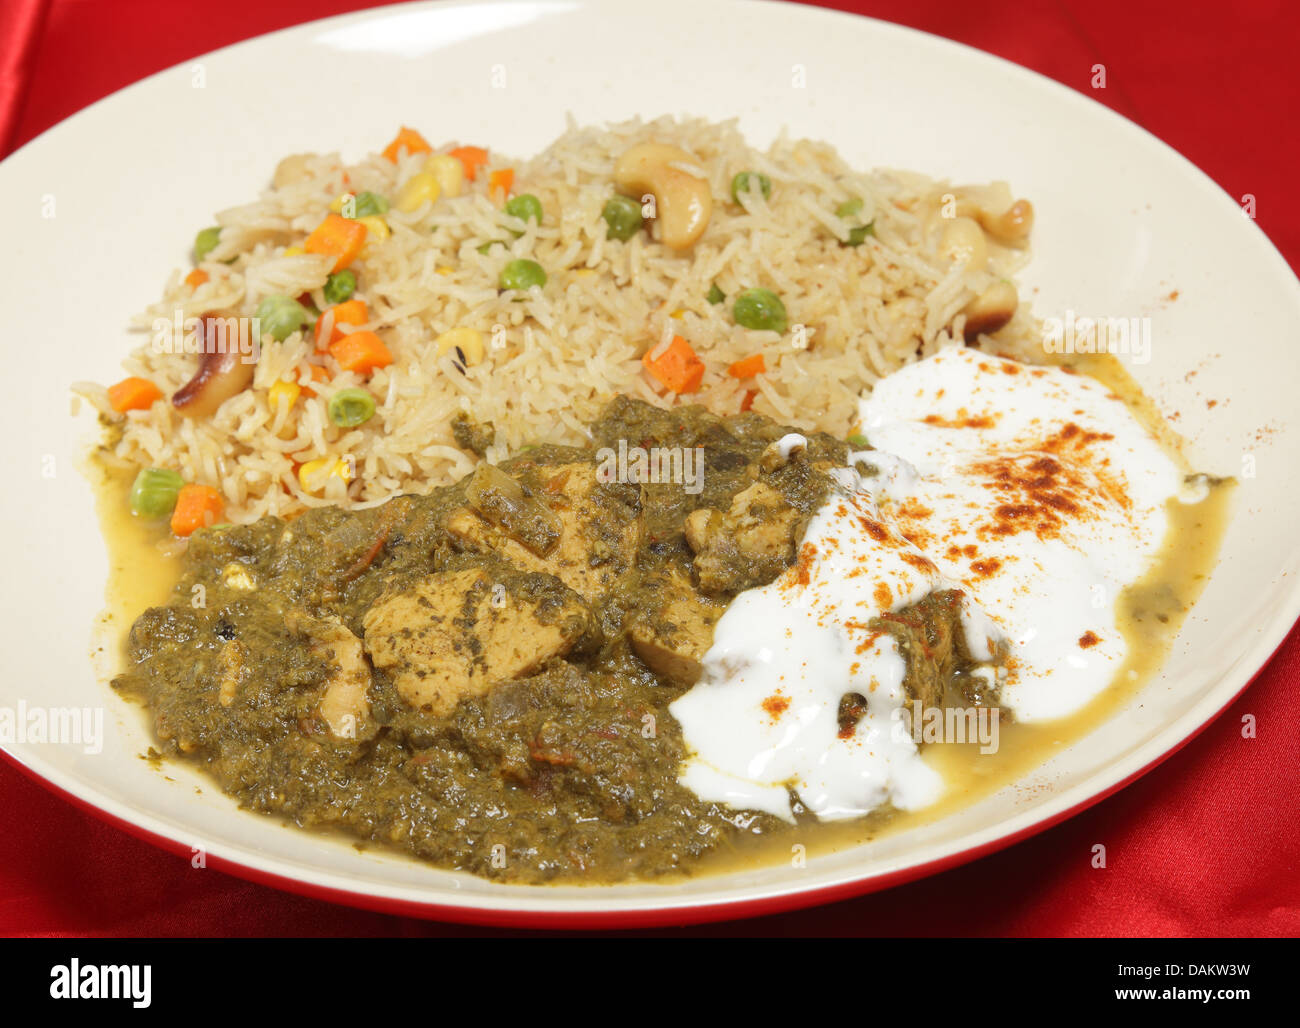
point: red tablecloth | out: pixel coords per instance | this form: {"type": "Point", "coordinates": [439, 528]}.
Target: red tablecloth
{"type": "Point", "coordinates": [1207, 844]}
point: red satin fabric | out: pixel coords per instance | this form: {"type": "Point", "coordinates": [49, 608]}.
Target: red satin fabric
{"type": "Point", "coordinates": [1207, 844]}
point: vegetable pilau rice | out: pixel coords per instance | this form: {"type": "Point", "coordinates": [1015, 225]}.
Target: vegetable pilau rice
{"type": "Point", "coordinates": [429, 288]}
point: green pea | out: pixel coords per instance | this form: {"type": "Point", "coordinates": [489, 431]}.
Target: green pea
{"type": "Point", "coordinates": [154, 492]}
{"type": "Point", "coordinates": [858, 442]}
{"type": "Point", "coordinates": [486, 248]}
{"type": "Point", "coordinates": [525, 207]}
{"type": "Point", "coordinates": [349, 408]}
{"type": "Point", "coordinates": [280, 317]}
{"type": "Point", "coordinates": [369, 204]}
{"type": "Point", "coordinates": [760, 309]}
{"type": "Point", "coordinates": [743, 182]}
{"type": "Point", "coordinates": [622, 217]}
{"type": "Point", "coordinates": [848, 211]}
{"type": "Point", "coordinates": [205, 242]}
{"type": "Point", "coordinates": [715, 295]}
{"type": "Point", "coordinates": [522, 274]}
{"type": "Point", "coordinates": [340, 286]}
{"type": "Point", "coordinates": [858, 236]}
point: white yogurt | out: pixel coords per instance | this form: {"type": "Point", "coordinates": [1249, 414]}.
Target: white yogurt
{"type": "Point", "coordinates": [1042, 495]}
{"type": "Point", "coordinates": [1033, 490]}
{"type": "Point", "coordinates": [763, 720]}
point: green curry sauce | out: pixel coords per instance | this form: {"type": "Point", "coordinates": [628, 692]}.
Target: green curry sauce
{"type": "Point", "coordinates": [567, 773]}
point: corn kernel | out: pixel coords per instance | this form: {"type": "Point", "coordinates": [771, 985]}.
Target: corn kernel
{"type": "Point", "coordinates": [419, 189]}
{"type": "Point", "coordinates": [445, 270]}
{"type": "Point", "coordinates": [336, 205]}
{"type": "Point", "coordinates": [468, 341]}
{"type": "Point", "coordinates": [585, 272]}
{"type": "Point", "coordinates": [677, 314]}
{"type": "Point", "coordinates": [294, 251]}
{"type": "Point", "coordinates": [282, 392]}
{"type": "Point", "coordinates": [449, 172]}
{"type": "Point", "coordinates": [376, 227]}
{"type": "Point", "coordinates": [377, 231]}
{"type": "Point", "coordinates": [312, 475]}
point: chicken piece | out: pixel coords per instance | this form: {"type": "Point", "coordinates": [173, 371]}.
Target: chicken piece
{"type": "Point", "coordinates": [458, 633]}
{"type": "Point", "coordinates": [673, 634]}
{"type": "Point", "coordinates": [599, 533]}
{"type": "Point", "coordinates": [345, 703]}
{"type": "Point", "coordinates": [748, 545]}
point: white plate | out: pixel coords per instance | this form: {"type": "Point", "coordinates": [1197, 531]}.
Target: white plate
{"type": "Point", "coordinates": [1123, 221]}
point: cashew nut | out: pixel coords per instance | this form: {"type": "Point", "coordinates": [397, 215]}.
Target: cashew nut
{"type": "Point", "coordinates": [223, 371]}
{"type": "Point", "coordinates": [991, 310]}
{"type": "Point", "coordinates": [1012, 226]}
{"type": "Point", "coordinates": [963, 241]}
{"type": "Point", "coordinates": [683, 200]}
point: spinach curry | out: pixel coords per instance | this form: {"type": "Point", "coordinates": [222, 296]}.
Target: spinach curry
{"type": "Point", "coordinates": [481, 676]}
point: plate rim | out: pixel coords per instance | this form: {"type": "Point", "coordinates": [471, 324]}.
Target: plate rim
{"type": "Point", "coordinates": [580, 919]}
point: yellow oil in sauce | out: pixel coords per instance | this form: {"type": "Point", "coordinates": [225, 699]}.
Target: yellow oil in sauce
{"type": "Point", "coordinates": [145, 567]}
{"type": "Point", "coordinates": [143, 559]}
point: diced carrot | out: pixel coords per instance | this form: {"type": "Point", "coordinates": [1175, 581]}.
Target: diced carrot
{"type": "Point", "coordinates": [196, 506]}
{"type": "Point", "coordinates": [409, 138]}
{"type": "Point", "coordinates": [339, 237]}
{"type": "Point", "coordinates": [749, 367]}
{"type": "Point", "coordinates": [350, 312]}
{"type": "Point", "coordinates": [361, 352]}
{"type": "Point", "coordinates": [318, 374]}
{"type": "Point", "coordinates": [133, 394]}
{"type": "Point", "coordinates": [500, 183]}
{"type": "Point", "coordinates": [471, 159]}
{"type": "Point", "coordinates": [196, 278]}
{"type": "Point", "coordinates": [677, 368]}
{"type": "Point", "coordinates": [748, 401]}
